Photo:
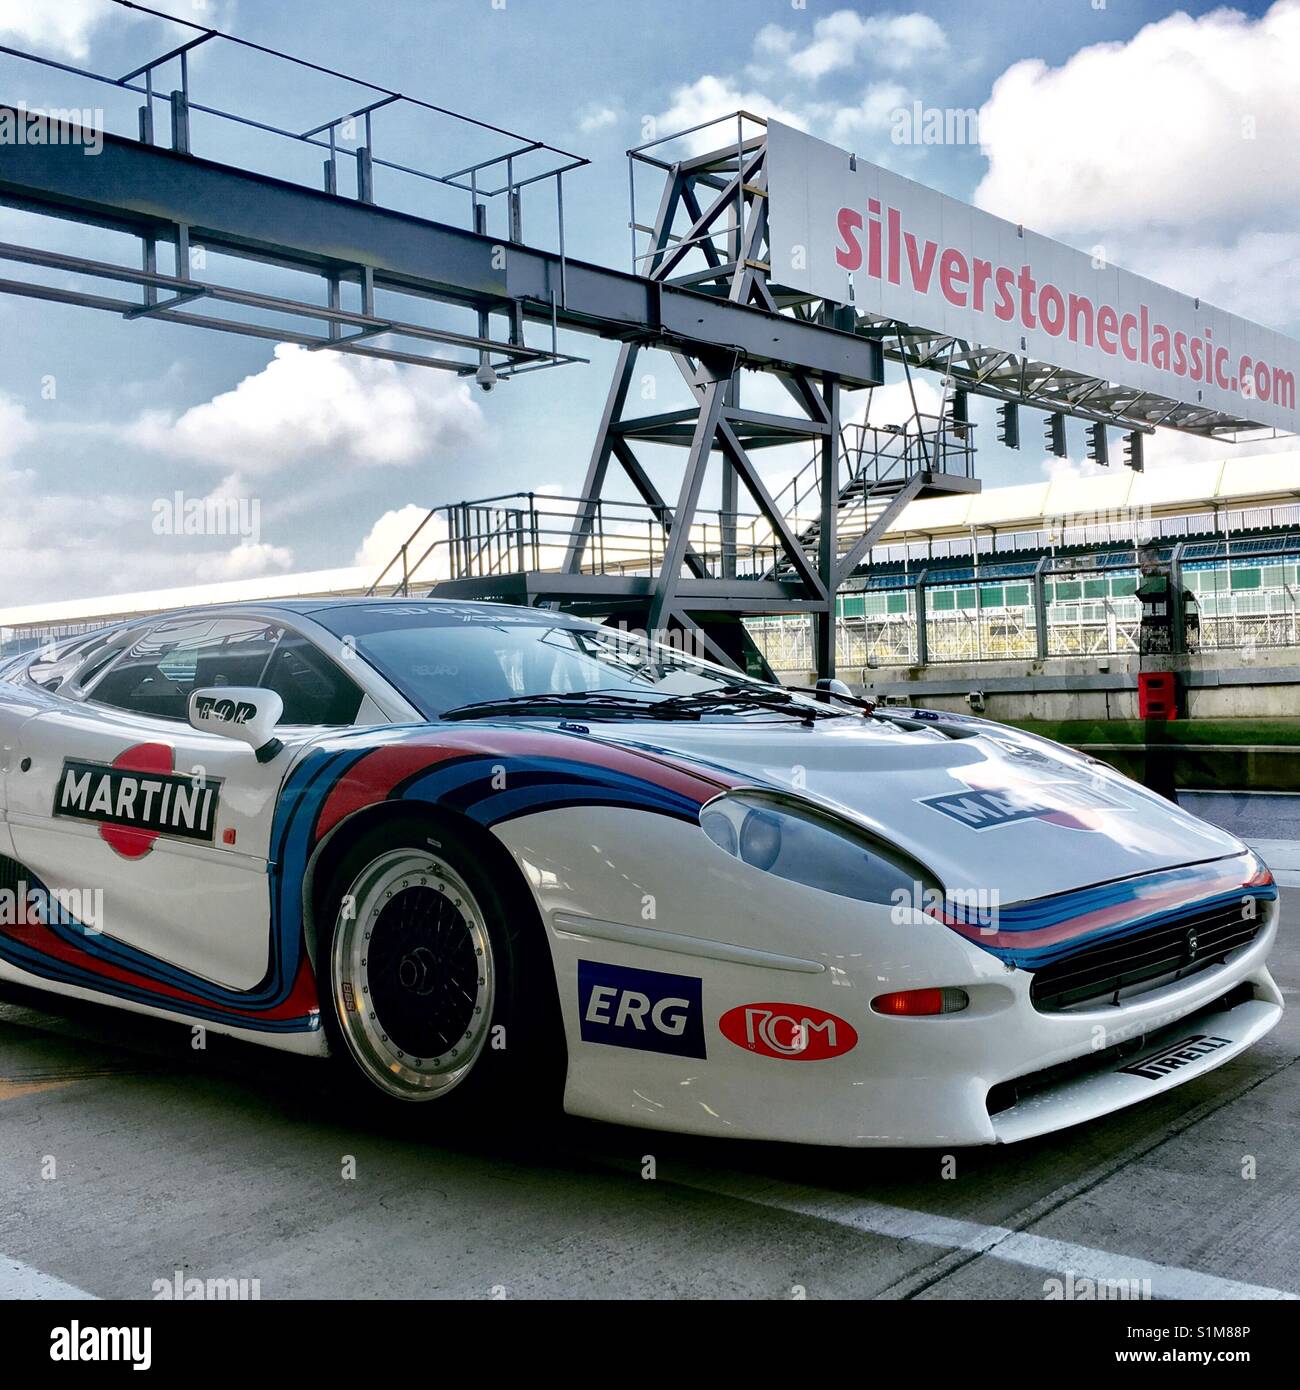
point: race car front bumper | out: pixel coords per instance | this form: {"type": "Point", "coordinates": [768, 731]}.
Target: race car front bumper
{"type": "Point", "coordinates": [1125, 1075]}
{"type": "Point", "coordinates": [725, 941]}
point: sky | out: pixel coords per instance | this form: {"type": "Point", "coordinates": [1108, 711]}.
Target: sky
{"type": "Point", "coordinates": [1164, 137]}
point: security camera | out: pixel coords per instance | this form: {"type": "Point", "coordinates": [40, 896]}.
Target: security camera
{"type": "Point", "coordinates": [486, 377]}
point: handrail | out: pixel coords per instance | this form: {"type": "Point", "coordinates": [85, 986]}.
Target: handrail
{"type": "Point", "coordinates": [518, 531]}
{"type": "Point", "coordinates": [324, 135]}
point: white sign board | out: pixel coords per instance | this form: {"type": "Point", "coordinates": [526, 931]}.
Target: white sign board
{"type": "Point", "coordinates": [854, 233]}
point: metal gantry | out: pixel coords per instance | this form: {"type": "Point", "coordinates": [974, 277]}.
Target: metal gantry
{"type": "Point", "coordinates": [709, 236]}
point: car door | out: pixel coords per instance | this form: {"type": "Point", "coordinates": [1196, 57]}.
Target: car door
{"type": "Point", "coordinates": [116, 800]}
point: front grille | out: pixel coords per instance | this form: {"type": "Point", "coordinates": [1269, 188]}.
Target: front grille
{"type": "Point", "coordinates": [1145, 960]}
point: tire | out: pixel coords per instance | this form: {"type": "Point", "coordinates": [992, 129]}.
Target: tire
{"type": "Point", "coordinates": [436, 986]}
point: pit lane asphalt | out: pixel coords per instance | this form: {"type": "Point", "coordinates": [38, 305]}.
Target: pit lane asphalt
{"type": "Point", "coordinates": [229, 1164]}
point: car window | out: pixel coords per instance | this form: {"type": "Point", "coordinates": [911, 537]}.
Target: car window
{"type": "Point", "coordinates": [442, 657]}
{"type": "Point", "coordinates": [57, 662]}
{"type": "Point", "coordinates": [313, 688]}
{"type": "Point", "coordinates": [156, 676]}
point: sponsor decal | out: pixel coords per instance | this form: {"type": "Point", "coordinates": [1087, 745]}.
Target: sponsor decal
{"type": "Point", "coordinates": [642, 1009]}
{"type": "Point", "coordinates": [795, 1032]}
{"type": "Point", "coordinates": [225, 711]}
{"type": "Point", "coordinates": [137, 797]}
{"type": "Point", "coordinates": [1071, 805]}
{"type": "Point", "coordinates": [1179, 1054]}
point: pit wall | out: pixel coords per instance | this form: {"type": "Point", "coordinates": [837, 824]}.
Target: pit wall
{"type": "Point", "coordinates": [1235, 684]}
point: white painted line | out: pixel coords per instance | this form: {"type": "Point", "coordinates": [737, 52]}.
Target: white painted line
{"type": "Point", "coordinates": [1279, 854]}
{"type": "Point", "coordinates": [18, 1280]}
{"type": "Point", "coordinates": [1228, 791]}
{"type": "Point", "coordinates": [1055, 1257]}
{"type": "Point", "coordinates": [1283, 857]}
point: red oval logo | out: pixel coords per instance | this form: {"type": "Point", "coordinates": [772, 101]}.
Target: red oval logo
{"type": "Point", "coordinates": [795, 1032]}
{"type": "Point", "coordinates": [132, 842]}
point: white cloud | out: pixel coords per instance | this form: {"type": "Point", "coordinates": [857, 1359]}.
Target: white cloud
{"type": "Point", "coordinates": [59, 544]}
{"type": "Point", "coordinates": [66, 27]}
{"type": "Point", "coordinates": [710, 97]}
{"type": "Point", "coordinates": [597, 117]}
{"type": "Point", "coordinates": [63, 26]}
{"type": "Point", "coordinates": [1252, 274]}
{"type": "Point", "coordinates": [845, 38]}
{"type": "Point", "coordinates": [872, 114]}
{"type": "Point", "coordinates": [1154, 130]}
{"type": "Point", "coordinates": [320, 405]}
{"type": "Point", "coordinates": [64, 545]}
{"type": "Point", "coordinates": [774, 42]}
{"type": "Point", "coordinates": [247, 560]}
{"type": "Point", "coordinates": [1055, 469]}
{"type": "Point", "coordinates": [387, 536]}
{"type": "Point", "coordinates": [16, 430]}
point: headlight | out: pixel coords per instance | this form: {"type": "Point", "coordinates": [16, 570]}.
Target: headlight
{"type": "Point", "coordinates": [799, 843]}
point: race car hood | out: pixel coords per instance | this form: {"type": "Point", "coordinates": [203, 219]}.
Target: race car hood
{"type": "Point", "coordinates": [981, 805]}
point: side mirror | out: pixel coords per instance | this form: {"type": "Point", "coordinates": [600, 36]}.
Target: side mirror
{"type": "Point", "coordinates": [243, 712]}
{"type": "Point", "coordinates": [828, 685]}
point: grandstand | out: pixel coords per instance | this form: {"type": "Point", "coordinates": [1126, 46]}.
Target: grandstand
{"type": "Point", "coordinates": [1039, 573]}
{"type": "Point", "coordinates": [1050, 570]}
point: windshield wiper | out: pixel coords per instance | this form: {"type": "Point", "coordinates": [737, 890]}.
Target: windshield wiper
{"type": "Point", "coordinates": [748, 697]}
{"type": "Point", "coordinates": [824, 695]}
{"type": "Point", "coordinates": [592, 703]}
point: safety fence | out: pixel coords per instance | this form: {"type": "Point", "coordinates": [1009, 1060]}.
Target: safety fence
{"type": "Point", "coordinates": [1239, 595]}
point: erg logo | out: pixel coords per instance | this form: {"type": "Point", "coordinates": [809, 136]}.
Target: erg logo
{"type": "Point", "coordinates": [643, 1009]}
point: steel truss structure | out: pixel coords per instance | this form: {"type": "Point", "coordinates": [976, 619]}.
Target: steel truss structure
{"type": "Point", "coordinates": [709, 235]}
{"type": "Point", "coordinates": [1010, 377]}
{"type": "Point", "coordinates": [166, 196]}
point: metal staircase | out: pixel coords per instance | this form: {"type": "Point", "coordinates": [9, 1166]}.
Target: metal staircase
{"type": "Point", "coordinates": [884, 467]}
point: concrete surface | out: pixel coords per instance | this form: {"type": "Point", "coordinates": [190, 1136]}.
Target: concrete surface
{"type": "Point", "coordinates": [125, 1157]}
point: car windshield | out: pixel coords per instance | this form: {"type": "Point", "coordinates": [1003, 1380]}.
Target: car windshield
{"type": "Point", "coordinates": [448, 659]}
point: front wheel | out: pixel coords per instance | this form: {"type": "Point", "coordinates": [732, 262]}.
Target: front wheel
{"type": "Point", "coordinates": [438, 979]}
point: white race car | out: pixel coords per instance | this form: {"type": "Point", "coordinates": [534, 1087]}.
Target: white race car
{"type": "Point", "coordinates": [474, 850]}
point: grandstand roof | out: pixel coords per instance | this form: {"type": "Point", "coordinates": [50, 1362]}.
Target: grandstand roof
{"type": "Point", "coordinates": [1255, 481]}
{"type": "Point", "coordinates": [355, 579]}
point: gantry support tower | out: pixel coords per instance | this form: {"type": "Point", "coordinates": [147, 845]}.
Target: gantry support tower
{"type": "Point", "coordinates": [710, 233]}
